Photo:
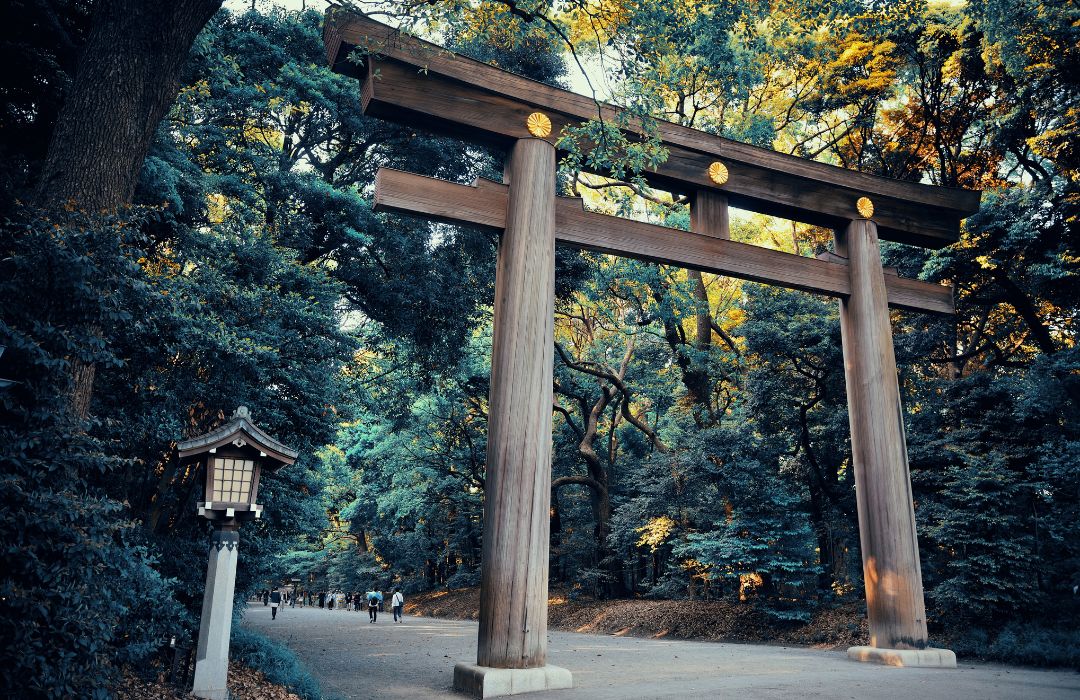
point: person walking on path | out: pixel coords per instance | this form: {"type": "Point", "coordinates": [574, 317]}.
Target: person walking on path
{"type": "Point", "coordinates": [265, 597]}
{"type": "Point", "coordinates": [398, 602]}
{"type": "Point", "coordinates": [275, 601]}
{"type": "Point", "coordinates": [373, 599]}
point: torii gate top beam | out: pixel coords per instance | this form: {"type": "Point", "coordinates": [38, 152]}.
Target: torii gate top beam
{"type": "Point", "coordinates": [412, 81]}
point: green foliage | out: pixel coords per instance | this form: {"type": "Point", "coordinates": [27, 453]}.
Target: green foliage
{"type": "Point", "coordinates": [492, 33]}
{"type": "Point", "coordinates": [269, 127]}
{"type": "Point", "coordinates": [414, 496]}
{"type": "Point", "coordinates": [59, 605]}
{"type": "Point", "coordinates": [985, 567]}
{"type": "Point", "coordinates": [605, 146]}
{"type": "Point", "coordinates": [993, 469]}
{"type": "Point", "coordinates": [277, 662]}
{"type": "Point", "coordinates": [77, 583]}
{"type": "Point", "coordinates": [752, 521]}
{"type": "Point", "coordinates": [1030, 644]}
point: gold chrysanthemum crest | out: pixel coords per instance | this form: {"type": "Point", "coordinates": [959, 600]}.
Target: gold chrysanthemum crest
{"type": "Point", "coordinates": [865, 207]}
{"type": "Point", "coordinates": [539, 125]}
{"type": "Point", "coordinates": [718, 173]}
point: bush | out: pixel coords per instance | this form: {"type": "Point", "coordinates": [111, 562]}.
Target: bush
{"type": "Point", "coordinates": [1026, 643]}
{"type": "Point", "coordinates": [77, 593]}
{"type": "Point", "coordinates": [465, 577]}
{"type": "Point", "coordinates": [276, 661]}
{"type": "Point", "coordinates": [71, 581]}
{"type": "Point", "coordinates": [151, 613]}
{"type": "Point", "coordinates": [55, 625]}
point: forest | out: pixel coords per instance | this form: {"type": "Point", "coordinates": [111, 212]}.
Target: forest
{"type": "Point", "coordinates": [154, 276]}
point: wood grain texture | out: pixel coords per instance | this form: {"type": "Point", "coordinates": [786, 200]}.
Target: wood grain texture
{"type": "Point", "coordinates": [434, 103]}
{"type": "Point", "coordinates": [890, 550]}
{"type": "Point", "coordinates": [481, 204]}
{"type": "Point", "coordinates": [484, 204]}
{"type": "Point", "coordinates": [709, 214]}
{"type": "Point", "coordinates": [517, 492]}
{"type": "Point", "coordinates": [416, 82]}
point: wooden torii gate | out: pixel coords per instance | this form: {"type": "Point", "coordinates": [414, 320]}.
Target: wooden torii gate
{"type": "Point", "coordinates": [410, 81]}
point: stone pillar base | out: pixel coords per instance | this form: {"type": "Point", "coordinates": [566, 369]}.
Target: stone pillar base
{"type": "Point", "coordinates": [205, 692]}
{"type": "Point", "coordinates": [488, 682]}
{"type": "Point", "coordinates": [909, 658]}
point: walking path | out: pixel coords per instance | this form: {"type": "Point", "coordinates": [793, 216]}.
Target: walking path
{"type": "Point", "coordinates": [354, 659]}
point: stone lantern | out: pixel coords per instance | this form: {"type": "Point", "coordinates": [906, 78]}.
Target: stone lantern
{"type": "Point", "coordinates": [232, 457]}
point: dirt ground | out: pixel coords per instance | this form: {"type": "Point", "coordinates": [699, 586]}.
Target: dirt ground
{"type": "Point", "coordinates": [716, 621]}
{"type": "Point", "coordinates": [244, 684]}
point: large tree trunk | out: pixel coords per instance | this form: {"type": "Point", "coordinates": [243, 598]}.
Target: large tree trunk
{"type": "Point", "coordinates": [599, 478]}
{"type": "Point", "coordinates": [127, 77]}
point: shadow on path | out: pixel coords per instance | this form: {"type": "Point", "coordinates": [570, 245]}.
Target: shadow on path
{"type": "Point", "coordinates": [355, 659]}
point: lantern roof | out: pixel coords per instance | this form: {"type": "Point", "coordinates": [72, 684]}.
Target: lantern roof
{"type": "Point", "coordinates": [241, 432]}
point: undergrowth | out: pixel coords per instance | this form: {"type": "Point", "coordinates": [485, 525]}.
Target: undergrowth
{"type": "Point", "coordinates": [276, 661]}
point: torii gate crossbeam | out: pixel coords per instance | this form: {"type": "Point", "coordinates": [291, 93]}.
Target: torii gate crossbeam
{"type": "Point", "coordinates": [410, 81]}
{"type": "Point", "coordinates": [483, 205]}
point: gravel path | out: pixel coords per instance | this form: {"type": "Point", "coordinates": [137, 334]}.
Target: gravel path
{"type": "Point", "coordinates": [354, 659]}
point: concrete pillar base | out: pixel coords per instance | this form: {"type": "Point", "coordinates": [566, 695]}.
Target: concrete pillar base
{"type": "Point", "coordinates": [488, 682]}
{"type": "Point", "coordinates": [909, 658]}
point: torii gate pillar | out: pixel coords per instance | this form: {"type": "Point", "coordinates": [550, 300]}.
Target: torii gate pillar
{"type": "Point", "coordinates": [512, 641]}
{"type": "Point", "coordinates": [890, 548]}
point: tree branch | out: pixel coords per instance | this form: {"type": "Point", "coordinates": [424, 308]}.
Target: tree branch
{"type": "Point", "coordinates": [582, 480]}
{"type": "Point", "coordinates": [725, 337]}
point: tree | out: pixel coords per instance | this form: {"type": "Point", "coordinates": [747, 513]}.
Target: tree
{"type": "Point", "coordinates": [76, 575]}
{"type": "Point", "coordinates": [797, 403]}
{"type": "Point", "coordinates": [127, 77]}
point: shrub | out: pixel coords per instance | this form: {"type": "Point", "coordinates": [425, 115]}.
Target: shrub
{"type": "Point", "coordinates": [55, 625]}
{"type": "Point", "coordinates": [276, 661]}
{"type": "Point", "coordinates": [77, 593]}
{"type": "Point", "coordinates": [464, 577]}
{"type": "Point", "coordinates": [1026, 643]}
{"type": "Point", "coordinates": [70, 580]}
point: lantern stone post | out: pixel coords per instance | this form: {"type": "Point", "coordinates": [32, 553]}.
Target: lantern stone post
{"type": "Point", "coordinates": [232, 457]}
{"type": "Point", "coordinates": [215, 627]}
